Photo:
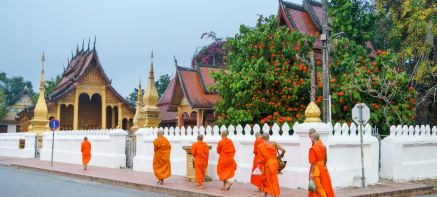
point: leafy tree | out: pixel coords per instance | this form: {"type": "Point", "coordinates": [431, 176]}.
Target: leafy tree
{"type": "Point", "coordinates": [51, 84]}
{"type": "Point", "coordinates": [378, 81]}
{"type": "Point", "coordinates": [263, 80]}
{"type": "Point", "coordinates": [162, 83]}
{"type": "Point", "coordinates": [3, 104]}
{"type": "Point", "coordinates": [212, 54]}
{"type": "Point", "coordinates": [13, 87]}
{"type": "Point", "coordinates": [355, 18]}
{"type": "Point", "coordinates": [410, 30]}
{"type": "Point", "coordinates": [132, 98]}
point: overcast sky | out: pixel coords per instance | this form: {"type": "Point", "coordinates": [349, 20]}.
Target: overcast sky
{"type": "Point", "coordinates": [127, 31]}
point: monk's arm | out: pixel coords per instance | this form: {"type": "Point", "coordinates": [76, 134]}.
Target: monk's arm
{"type": "Point", "coordinates": [326, 155]}
{"type": "Point", "coordinates": [280, 148]}
{"type": "Point", "coordinates": [219, 148]}
{"type": "Point", "coordinates": [81, 147]}
{"type": "Point", "coordinates": [312, 159]}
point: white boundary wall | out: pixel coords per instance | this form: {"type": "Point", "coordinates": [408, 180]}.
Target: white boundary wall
{"type": "Point", "coordinates": [9, 145]}
{"type": "Point", "coordinates": [343, 146]}
{"type": "Point", "coordinates": [409, 153]}
{"type": "Point", "coordinates": [107, 147]}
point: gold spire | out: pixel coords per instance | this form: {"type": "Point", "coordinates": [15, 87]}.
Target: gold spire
{"type": "Point", "coordinates": [39, 123]}
{"type": "Point", "coordinates": [151, 93]}
{"type": "Point", "coordinates": [41, 106]}
{"type": "Point", "coordinates": [139, 107]}
{"type": "Point", "coordinates": [149, 114]}
{"type": "Point", "coordinates": [312, 113]}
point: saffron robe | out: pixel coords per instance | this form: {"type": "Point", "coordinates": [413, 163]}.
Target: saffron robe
{"type": "Point", "coordinates": [161, 158]}
{"type": "Point", "coordinates": [322, 179]}
{"type": "Point", "coordinates": [226, 164]}
{"type": "Point", "coordinates": [267, 154]}
{"type": "Point", "coordinates": [85, 148]}
{"type": "Point", "coordinates": [256, 179]}
{"type": "Point", "coordinates": [200, 153]}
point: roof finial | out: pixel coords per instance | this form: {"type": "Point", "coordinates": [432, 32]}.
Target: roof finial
{"type": "Point", "coordinates": [95, 38]}
{"type": "Point", "coordinates": [175, 61]}
{"type": "Point", "coordinates": [77, 48]}
{"type": "Point", "coordinates": [151, 66]}
{"type": "Point", "coordinates": [43, 59]}
{"type": "Point", "coordinates": [89, 40]}
{"type": "Point", "coordinates": [83, 43]}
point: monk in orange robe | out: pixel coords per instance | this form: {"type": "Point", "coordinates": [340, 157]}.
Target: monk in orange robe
{"type": "Point", "coordinates": [226, 164]}
{"type": "Point", "coordinates": [256, 179]}
{"type": "Point", "coordinates": [318, 170]}
{"type": "Point", "coordinates": [200, 153]}
{"type": "Point", "coordinates": [85, 148]}
{"type": "Point", "coordinates": [161, 157]}
{"type": "Point", "coordinates": [268, 157]}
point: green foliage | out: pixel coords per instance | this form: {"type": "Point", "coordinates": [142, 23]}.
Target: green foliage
{"type": "Point", "coordinates": [50, 85]}
{"type": "Point", "coordinates": [353, 17]}
{"type": "Point", "coordinates": [411, 32]}
{"type": "Point", "coordinates": [132, 98]}
{"type": "Point", "coordinates": [263, 80]}
{"type": "Point", "coordinates": [3, 104]}
{"type": "Point", "coordinates": [13, 87]}
{"type": "Point", "coordinates": [380, 82]}
{"type": "Point", "coordinates": [162, 83]}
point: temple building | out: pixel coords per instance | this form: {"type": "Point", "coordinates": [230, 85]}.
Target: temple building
{"type": "Point", "coordinates": [84, 97]}
{"type": "Point", "coordinates": [9, 123]}
{"type": "Point", "coordinates": [307, 19]}
{"type": "Point", "coordinates": [188, 99]}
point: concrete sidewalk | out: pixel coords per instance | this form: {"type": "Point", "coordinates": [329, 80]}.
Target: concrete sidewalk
{"type": "Point", "coordinates": [176, 185]}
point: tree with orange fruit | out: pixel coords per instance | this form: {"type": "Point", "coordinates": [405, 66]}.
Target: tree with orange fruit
{"type": "Point", "coordinates": [263, 80]}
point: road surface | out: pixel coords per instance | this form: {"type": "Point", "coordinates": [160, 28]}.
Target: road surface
{"type": "Point", "coordinates": [24, 183]}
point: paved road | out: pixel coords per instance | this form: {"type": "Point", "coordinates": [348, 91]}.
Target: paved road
{"type": "Point", "coordinates": [24, 183]}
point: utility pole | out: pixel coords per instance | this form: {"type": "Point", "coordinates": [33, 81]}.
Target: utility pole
{"type": "Point", "coordinates": [324, 38]}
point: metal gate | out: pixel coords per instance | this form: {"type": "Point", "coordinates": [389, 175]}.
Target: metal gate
{"type": "Point", "coordinates": [130, 149]}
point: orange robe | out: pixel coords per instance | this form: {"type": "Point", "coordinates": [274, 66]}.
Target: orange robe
{"type": "Point", "coordinates": [226, 164]}
{"type": "Point", "coordinates": [322, 179]}
{"type": "Point", "coordinates": [256, 179]}
{"type": "Point", "coordinates": [200, 153]}
{"type": "Point", "coordinates": [161, 158]}
{"type": "Point", "coordinates": [85, 148]}
{"type": "Point", "coordinates": [267, 154]}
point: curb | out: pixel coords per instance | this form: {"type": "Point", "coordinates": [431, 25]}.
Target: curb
{"type": "Point", "coordinates": [402, 192]}
{"type": "Point", "coordinates": [162, 190]}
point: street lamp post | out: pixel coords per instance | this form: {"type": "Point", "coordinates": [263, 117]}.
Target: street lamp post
{"type": "Point", "coordinates": [324, 38]}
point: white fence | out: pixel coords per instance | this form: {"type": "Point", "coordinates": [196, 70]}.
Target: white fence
{"type": "Point", "coordinates": [10, 145]}
{"type": "Point", "coordinates": [344, 160]}
{"type": "Point", "coordinates": [409, 153]}
{"type": "Point", "coordinates": [107, 147]}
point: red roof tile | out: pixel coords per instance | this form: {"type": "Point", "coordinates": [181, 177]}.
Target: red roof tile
{"type": "Point", "coordinates": [166, 96]}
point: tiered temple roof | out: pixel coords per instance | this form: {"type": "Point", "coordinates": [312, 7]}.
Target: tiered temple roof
{"type": "Point", "coordinates": [77, 67]}
{"type": "Point", "coordinates": [305, 18]}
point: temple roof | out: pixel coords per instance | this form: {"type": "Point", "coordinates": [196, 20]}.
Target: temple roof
{"type": "Point", "coordinates": [306, 18]}
{"type": "Point", "coordinates": [76, 69]}
{"type": "Point", "coordinates": [193, 84]}
{"type": "Point", "coordinates": [164, 102]}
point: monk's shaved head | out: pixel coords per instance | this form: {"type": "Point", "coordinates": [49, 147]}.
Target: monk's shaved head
{"type": "Point", "coordinates": [85, 138]}
{"type": "Point", "coordinates": [257, 134]}
{"type": "Point", "coordinates": [224, 133]}
{"type": "Point", "coordinates": [266, 136]}
{"type": "Point", "coordinates": [316, 136]}
{"type": "Point", "coordinates": [200, 137]}
{"type": "Point", "coordinates": [312, 130]}
{"type": "Point", "coordinates": [160, 132]}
